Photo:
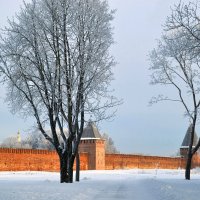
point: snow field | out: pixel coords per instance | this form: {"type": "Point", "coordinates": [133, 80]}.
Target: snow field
{"type": "Point", "coordinates": [101, 185]}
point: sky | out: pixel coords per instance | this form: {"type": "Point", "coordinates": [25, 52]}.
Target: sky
{"type": "Point", "coordinates": [137, 127]}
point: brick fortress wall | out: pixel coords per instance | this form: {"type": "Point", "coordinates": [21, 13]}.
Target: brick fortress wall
{"type": "Point", "coordinates": [124, 161]}
{"type": "Point", "coordinates": [33, 160]}
{"type": "Point", "coordinates": [44, 160]}
{"type": "Point", "coordinates": [195, 158]}
{"type": "Point", "coordinates": [92, 157]}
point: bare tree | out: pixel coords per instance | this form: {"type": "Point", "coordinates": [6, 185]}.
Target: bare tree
{"type": "Point", "coordinates": [36, 140]}
{"type": "Point", "coordinates": [109, 144]}
{"type": "Point", "coordinates": [175, 62]}
{"type": "Point", "coordinates": [33, 140]}
{"type": "Point", "coordinates": [11, 142]}
{"type": "Point", "coordinates": [55, 60]}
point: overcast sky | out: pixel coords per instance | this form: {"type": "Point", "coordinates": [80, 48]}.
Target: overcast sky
{"type": "Point", "coordinates": [137, 128]}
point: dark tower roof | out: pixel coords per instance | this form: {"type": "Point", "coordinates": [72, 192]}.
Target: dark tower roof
{"type": "Point", "coordinates": [91, 132]}
{"type": "Point", "coordinates": [186, 140]}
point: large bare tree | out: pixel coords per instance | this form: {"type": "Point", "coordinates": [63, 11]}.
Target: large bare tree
{"type": "Point", "coordinates": [54, 58]}
{"type": "Point", "coordinates": [176, 62]}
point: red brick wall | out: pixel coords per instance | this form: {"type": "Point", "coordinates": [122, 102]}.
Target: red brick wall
{"type": "Point", "coordinates": [123, 161]}
{"type": "Point", "coordinates": [33, 160]}
{"type": "Point", "coordinates": [44, 160]}
{"type": "Point", "coordinates": [195, 159]}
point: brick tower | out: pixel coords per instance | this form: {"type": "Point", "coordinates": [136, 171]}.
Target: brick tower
{"type": "Point", "coordinates": [185, 146]}
{"type": "Point", "coordinates": [186, 142]}
{"type": "Point", "coordinates": [93, 144]}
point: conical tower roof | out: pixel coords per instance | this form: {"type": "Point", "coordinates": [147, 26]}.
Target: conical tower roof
{"type": "Point", "coordinates": [186, 140]}
{"type": "Point", "coordinates": [91, 132]}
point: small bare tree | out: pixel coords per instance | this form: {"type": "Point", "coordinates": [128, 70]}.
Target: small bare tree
{"type": "Point", "coordinates": [109, 144]}
{"type": "Point", "coordinates": [36, 140]}
{"type": "Point", "coordinates": [176, 62]}
{"type": "Point", "coordinates": [11, 142]}
{"type": "Point", "coordinates": [55, 60]}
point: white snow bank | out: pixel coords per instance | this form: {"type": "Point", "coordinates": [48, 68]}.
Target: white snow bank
{"type": "Point", "coordinates": [101, 185]}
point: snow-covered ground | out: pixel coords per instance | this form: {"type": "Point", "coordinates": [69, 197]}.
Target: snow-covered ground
{"type": "Point", "coordinates": [101, 185]}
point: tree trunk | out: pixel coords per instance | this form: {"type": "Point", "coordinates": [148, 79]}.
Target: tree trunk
{"type": "Point", "coordinates": [190, 150]}
{"type": "Point", "coordinates": [77, 167]}
{"type": "Point", "coordinates": [70, 167]}
{"type": "Point", "coordinates": [64, 176]}
{"type": "Point", "coordinates": [66, 169]}
{"type": "Point", "coordinates": [188, 166]}
{"type": "Point", "coordinates": [70, 171]}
